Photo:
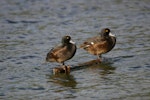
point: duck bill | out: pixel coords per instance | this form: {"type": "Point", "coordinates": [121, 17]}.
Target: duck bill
{"type": "Point", "coordinates": [72, 42]}
{"type": "Point", "coordinates": [110, 34]}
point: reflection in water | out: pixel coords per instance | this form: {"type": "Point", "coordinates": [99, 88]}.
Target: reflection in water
{"type": "Point", "coordinates": [96, 64]}
{"type": "Point", "coordinates": [66, 80]}
{"type": "Point", "coordinates": [104, 67]}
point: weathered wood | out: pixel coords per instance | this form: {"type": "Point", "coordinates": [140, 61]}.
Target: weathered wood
{"type": "Point", "coordinates": [67, 69]}
{"type": "Point", "coordinates": [61, 69]}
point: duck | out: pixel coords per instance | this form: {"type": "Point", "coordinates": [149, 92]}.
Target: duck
{"type": "Point", "coordinates": [100, 44]}
{"type": "Point", "coordinates": [63, 52]}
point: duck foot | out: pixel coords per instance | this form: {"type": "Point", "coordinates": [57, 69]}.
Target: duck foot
{"type": "Point", "coordinates": [61, 69]}
{"type": "Point", "coordinates": [98, 60]}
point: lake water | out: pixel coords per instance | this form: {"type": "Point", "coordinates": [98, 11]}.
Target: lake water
{"type": "Point", "coordinates": [30, 28]}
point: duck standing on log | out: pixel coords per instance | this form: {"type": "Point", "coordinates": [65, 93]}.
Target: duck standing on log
{"type": "Point", "coordinates": [62, 53]}
{"type": "Point", "coordinates": [101, 44]}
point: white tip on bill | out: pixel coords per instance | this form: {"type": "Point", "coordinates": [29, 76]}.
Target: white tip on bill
{"type": "Point", "coordinates": [111, 34]}
{"type": "Point", "coordinates": [72, 42]}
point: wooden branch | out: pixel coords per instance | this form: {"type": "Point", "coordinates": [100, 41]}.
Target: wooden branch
{"type": "Point", "coordinates": [61, 69]}
{"type": "Point", "coordinates": [67, 69]}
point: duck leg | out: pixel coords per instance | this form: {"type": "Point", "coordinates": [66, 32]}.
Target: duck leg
{"type": "Point", "coordinates": [99, 58]}
{"type": "Point", "coordinates": [63, 63]}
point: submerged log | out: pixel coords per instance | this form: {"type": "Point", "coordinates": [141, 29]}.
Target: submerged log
{"type": "Point", "coordinates": [66, 68]}
{"type": "Point", "coordinates": [61, 69]}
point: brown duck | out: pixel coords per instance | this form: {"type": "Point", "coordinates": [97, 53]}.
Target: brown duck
{"type": "Point", "coordinates": [63, 52]}
{"type": "Point", "coordinates": [100, 44]}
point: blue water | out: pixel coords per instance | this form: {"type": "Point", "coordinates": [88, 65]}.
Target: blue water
{"type": "Point", "coordinates": [30, 28]}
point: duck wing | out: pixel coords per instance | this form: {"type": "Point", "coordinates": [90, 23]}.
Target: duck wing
{"type": "Point", "coordinates": [52, 55]}
{"type": "Point", "coordinates": [92, 41]}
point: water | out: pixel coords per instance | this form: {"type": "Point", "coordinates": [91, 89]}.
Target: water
{"type": "Point", "coordinates": [30, 28]}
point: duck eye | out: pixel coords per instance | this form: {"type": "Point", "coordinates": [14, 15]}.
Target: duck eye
{"type": "Point", "coordinates": [67, 37]}
{"type": "Point", "coordinates": [106, 30]}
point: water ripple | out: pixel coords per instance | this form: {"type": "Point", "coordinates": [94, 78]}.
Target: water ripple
{"type": "Point", "coordinates": [30, 28]}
